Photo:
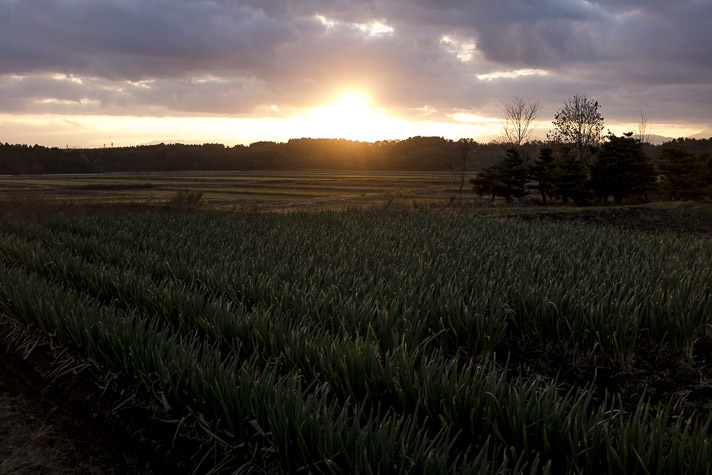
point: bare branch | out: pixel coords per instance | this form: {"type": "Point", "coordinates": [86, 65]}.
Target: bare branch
{"type": "Point", "coordinates": [460, 164]}
{"type": "Point", "coordinates": [519, 116]}
{"type": "Point", "coordinates": [642, 129]}
{"type": "Point", "coordinates": [579, 123]}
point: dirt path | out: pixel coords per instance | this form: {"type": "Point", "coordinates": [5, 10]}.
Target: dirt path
{"type": "Point", "coordinates": [39, 433]}
{"type": "Point", "coordinates": [47, 429]}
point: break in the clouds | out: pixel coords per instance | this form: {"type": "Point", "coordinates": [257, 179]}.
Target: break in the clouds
{"type": "Point", "coordinates": [433, 60]}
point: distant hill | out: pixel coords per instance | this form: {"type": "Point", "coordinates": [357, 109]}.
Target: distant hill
{"type": "Point", "coordinates": [174, 141]}
{"type": "Point", "coordinates": [705, 134]}
{"type": "Point", "coordinates": [659, 139]}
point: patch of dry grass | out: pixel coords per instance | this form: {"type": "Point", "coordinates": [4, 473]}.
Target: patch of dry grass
{"type": "Point", "coordinates": [29, 444]}
{"type": "Point", "coordinates": [35, 207]}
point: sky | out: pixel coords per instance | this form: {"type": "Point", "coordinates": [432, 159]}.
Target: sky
{"type": "Point", "coordinates": [92, 73]}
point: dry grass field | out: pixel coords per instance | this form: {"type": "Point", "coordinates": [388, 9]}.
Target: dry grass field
{"type": "Point", "coordinates": [249, 191]}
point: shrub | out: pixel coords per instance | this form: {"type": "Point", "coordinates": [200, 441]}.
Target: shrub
{"type": "Point", "coordinates": [186, 199]}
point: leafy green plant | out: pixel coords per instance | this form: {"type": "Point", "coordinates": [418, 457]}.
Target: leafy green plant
{"type": "Point", "coordinates": [376, 341]}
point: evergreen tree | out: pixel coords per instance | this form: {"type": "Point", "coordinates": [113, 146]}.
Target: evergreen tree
{"type": "Point", "coordinates": [512, 176]}
{"type": "Point", "coordinates": [483, 183]}
{"type": "Point", "coordinates": [707, 188]}
{"type": "Point", "coordinates": [542, 171]}
{"type": "Point", "coordinates": [686, 176]}
{"type": "Point", "coordinates": [621, 169]}
{"type": "Point", "coordinates": [507, 178]}
{"type": "Point", "coordinates": [571, 181]}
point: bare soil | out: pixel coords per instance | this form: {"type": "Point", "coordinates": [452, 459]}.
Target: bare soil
{"type": "Point", "coordinates": [40, 433]}
{"type": "Point", "coordinates": [693, 219]}
{"type": "Point", "coordinates": [70, 424]}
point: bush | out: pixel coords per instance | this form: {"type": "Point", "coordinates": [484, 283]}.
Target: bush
{"type": "Point", "coordinates": [186, 199]}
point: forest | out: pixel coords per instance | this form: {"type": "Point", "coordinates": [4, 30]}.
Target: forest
{"type": "Point", "coordinates": [413, 154]}
{"type": "Point", "coordinates": [416, 153]}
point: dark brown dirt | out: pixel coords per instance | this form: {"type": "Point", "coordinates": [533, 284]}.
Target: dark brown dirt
{"type": "Point", "coordinates": [40, 434]}
{"type": "Point", "coordinates": [692, 220]}
{"type": "Point", "coordinates": [38, 209]}
{"type": "Point", "coordinates": [70, 425]}
{"type": "Point", "coordinates": [665, 375]}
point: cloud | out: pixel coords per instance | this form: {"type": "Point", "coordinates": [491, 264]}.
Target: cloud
{"type": "Point", "coordinates": [133, 39]}
{"type": "Point", "coordinates": [240, 57]}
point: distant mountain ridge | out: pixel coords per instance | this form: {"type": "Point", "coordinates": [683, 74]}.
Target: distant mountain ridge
{"type": "Point", "coordinates": [175, 141]}
{"type": "Point", "coordinates": [705, 134]}
{"type": "Point", "coordinates": [658, 139]}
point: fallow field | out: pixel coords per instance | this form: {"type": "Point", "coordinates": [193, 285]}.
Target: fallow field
{"type": "Point", "coordinates": [239, 191]}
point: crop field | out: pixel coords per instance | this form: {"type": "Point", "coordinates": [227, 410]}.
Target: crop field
{"type": "Point", "coordinates": [260, 190]}
{"type": "Point", "coordinates": [387, 341]}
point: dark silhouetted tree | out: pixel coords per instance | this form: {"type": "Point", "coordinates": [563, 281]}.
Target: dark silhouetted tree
{"type": "Point", "coordinates": [642, 129]}
{"type": "Point", "coordinates": [507, 178]}
{"type": "Point", "coordinates": [484, 183]}
{"type": "Point", "coordinates": [460, 164]}
{"type": "Point", "coordinates": [621, 168]}
{"type": "Point", "coordinates": [685, 176]}
{"type": "Point", "coordinates": [579, 123]}
{"type": "Point", "coordinates": [570, 178]}
{"type": "Point", "coordinates": [519, 116]}
{"type": "Point", "coordinates": [542, 172]}
{"type": "Point", "coordinates": [512, 176]}
{"type": "Point", "coordinates": [707, 182]}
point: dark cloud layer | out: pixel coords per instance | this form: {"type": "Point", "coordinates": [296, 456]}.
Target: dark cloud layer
{"type": "Point", "coordinates": [231, 57]}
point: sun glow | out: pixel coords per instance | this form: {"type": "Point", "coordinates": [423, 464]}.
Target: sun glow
{"type": "Point", "coordinates": [351, 116]}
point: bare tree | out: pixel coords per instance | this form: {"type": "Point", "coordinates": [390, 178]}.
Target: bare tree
{"type": "Point", "coordinates": [519, 116]}
{"type": "Point", "coordinates": [460, 164]}
{"type": "Point", "coordinates": [579, 123]}
{"type": "Point", "coordinates": [642, 129]}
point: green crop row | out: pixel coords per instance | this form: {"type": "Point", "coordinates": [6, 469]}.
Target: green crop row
{"type": "Point", "coordinates": [592, 291]}
{"type": "Point", "coordinates": [362, 341]}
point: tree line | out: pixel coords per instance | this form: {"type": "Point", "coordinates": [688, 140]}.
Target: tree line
{"type": "Point", "coordinates": [413, 154]}
{"type": "Point", "coordinates": [416, 154]}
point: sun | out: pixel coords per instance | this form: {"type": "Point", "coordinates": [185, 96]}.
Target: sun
{"type": "Point", "coordinates": [353, 114]}
{"type": "Point", "coordinates": [350, 116]}
{"type": "Point", "coordinates": [351, 106]}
